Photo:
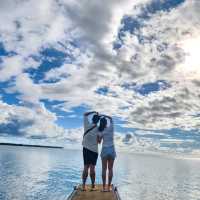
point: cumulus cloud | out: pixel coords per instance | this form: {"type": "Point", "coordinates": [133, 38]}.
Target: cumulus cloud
{"type": "Point", "coordinates": [13, 66]}
{"type": "Point", "coordinates": [161, 48]}
{"type": "Point", "coordinates": [30, 24]}
{"type": "Point", "coordinates": [29, 121]}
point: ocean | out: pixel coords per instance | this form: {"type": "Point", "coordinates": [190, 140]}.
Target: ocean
{"type": "Point", "coordinates": [28, 173]}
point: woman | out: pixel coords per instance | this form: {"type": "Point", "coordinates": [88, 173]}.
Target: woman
{"type": "Point", "coordinates": [108, 154]}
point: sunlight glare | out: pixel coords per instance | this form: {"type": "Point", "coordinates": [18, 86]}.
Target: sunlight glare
{"type": "Point", "coordinates": [191, 67]}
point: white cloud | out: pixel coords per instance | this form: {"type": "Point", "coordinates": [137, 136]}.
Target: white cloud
{"type": "Point", "coordinates": [167, 38]}
{"type": "Point", "coordinates": [28, 122]}
{"type": "Point", "coordinates": [31, 25]}
{"type": "Point", "coordinates": [14, 65]}
{"type": "Point", "coordinates": [133, 143]}
{"type": "Point", "coordinates": [29, 92]}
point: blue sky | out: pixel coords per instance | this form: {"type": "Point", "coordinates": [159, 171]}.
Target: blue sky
{"type": "Point", "coordinates": [134, 60]}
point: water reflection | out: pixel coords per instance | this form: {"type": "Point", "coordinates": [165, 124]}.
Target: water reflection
{"type": "Point", "coordinates": [29, 173]}
{"type": "Point", "coordinates": [36, 173]}
{"type": "Point", "coordinates": [151, 177]}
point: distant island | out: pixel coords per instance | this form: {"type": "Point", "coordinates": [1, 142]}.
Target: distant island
{"type": "Point", "coordinates": [31, 145]}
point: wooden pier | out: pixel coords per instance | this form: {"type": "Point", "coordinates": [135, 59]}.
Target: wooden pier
{"type": "Point", "coordinates": [78, 194]}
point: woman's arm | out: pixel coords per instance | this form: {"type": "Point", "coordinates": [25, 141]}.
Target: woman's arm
{"type": "Point", "coordinates": [111, 125]}
{"type": "Point", "coordinates": [89, 113]}
{"type": "Point", "coordinates": [109, 117]}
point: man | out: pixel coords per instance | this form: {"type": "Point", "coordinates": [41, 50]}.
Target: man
{"type": "Point", "coordinates": [90, 148]}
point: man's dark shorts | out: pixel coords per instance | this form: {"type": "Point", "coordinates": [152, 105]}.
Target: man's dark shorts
{"type": "Point", "coordinates": [89, 157]}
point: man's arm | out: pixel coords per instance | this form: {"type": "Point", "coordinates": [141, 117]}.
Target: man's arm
{"type": "Point", "coordinates": [86, 121]}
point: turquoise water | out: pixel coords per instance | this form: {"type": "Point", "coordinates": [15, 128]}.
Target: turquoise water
{"type": "Point", "coordinates": [36, 173]}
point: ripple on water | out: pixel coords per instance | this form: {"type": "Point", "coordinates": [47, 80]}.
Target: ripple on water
{"type": "Point", "coordinates": [29, 174]}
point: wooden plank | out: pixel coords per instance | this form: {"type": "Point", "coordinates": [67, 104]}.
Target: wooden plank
{"type": "Point", "coordinates": [71, 196]}
{"type": "Point", "coordinates": [78, 194]}
{"type": "Point", "coordinates": [116, 193]}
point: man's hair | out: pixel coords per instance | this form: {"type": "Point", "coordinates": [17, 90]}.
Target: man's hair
{"type": "Point", "coordinates": [95, 119]}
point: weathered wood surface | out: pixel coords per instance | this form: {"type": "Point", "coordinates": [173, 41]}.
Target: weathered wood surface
{"type": "Point", "coordinates": [78, 194]}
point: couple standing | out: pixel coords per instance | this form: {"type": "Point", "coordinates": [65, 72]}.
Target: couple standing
{"type": "Point", "coordinates": [95, 132]}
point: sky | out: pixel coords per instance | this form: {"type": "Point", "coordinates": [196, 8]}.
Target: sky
{"type": "Point", "coordinates": [136, 61]}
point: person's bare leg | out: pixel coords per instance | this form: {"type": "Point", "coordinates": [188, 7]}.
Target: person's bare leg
{"type": "Point", "coordinates": [104, 169]}
{"type": "Point", "coordinates": [84, 176]}
{"type": "Point", "coordinates": [92, 175]}
{"type": "Point", "coordinates": [110, 173]}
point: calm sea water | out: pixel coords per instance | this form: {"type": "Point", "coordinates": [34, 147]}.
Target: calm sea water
{"type": "Point", "coordinates": [36, 173]}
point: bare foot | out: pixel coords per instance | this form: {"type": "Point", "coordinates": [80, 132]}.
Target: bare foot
{"type": "Point", "coordinates": [104, 190]}
{"type": "Point", "coordinates": [93, 188]}
{"type": "Point", "coordinates": [109, 188]}
{"type": "Point", "coordinates": [83, 188]}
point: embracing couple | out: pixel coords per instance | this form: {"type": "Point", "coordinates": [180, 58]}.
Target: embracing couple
{"type": "Point", "coordinates": [100, 129]}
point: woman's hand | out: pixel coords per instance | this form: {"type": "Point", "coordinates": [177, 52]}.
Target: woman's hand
{"type": "Point", "coordinates": [91, 112]}
{"type": "Point", "coordinates": [106, 116]}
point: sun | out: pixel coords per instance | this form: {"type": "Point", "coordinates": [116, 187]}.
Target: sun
{"type": "Point", "coordinates": [190, 69]}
